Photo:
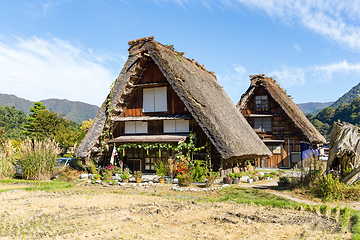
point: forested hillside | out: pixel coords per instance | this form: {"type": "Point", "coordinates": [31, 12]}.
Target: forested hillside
{"type": "Point", "coordinates": [74, 111]}
{"type": "Point", "coordinates": [11, 122]}
{"type": "Point", "coordinates": [324, 120]}
{"type": "Point", "coordinates": [313, 107]}
{"type": "Point", "coordinates": [347, 97]}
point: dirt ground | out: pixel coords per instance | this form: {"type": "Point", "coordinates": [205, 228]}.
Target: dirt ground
{"type": "Point", "coordinates": [134, 212]}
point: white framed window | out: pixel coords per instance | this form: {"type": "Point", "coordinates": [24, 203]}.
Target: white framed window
{"type": "Point", "coordinates": [155, 99]}
{"type": "Point", "coordinates": [176, 126]}
{"type": "Point", "coordinates": [262, 124]}
{"type": "Point", "coordinates": [132, 127]}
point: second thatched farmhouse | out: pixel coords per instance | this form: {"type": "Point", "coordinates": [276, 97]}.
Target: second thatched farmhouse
{"type": "Point", "coordinates": [158, 100]}
{"type": "Point", "coordinates": [279, 123]}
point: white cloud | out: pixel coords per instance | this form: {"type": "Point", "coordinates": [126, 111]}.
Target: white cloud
{"type": "Point", "coordinates": [297, 47]}
{"type": "Point", "coordinates": [44, 8]}
{"type": "Point", "coordinates": [325, 72]}
{"type": "Point", "coordinates": [289, 76]}
{"type": "Point", "coordinates": [337, 20]}
{"type": "Point", "coordinates": [292, 76]}
{"type": "Point", "coordinates": [36, 69]}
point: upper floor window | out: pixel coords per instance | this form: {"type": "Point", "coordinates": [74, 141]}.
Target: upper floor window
{"type": "Point", "coordinates": [262, 124]}
{"type": "Point", "coordinates": [132, 127]}
{"type": "Point", "coordinates": [155, 99]}
{"type": "Point", "coordinates": [261, 103]}
{"type": "Point", "coordinates": [176, 126]}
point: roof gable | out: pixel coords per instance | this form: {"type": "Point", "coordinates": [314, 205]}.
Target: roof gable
{"type": "Point", "coordinates": [198, 89]}
{"type": "Point", "coordinates": [286, 104]}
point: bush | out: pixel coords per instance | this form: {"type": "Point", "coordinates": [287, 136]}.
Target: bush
{"type": "Point", "coordinates": [185, 180]}
{"type": "Point", "coordinates": [38, 158]}
{"type": "Point", "coordinates": [7, 159]}
{"type": "Point", "coordinates": [68, 174]}
{"type": "Point", "coordinates": [78, 165]}
{"type": "Point", "coordinates": [160, 168]}
{"type": "Point", "coordinates": [199, 171]}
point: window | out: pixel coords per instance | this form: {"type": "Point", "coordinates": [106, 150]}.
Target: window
{"type": "Point", "coordinates": [174, 126]}
{"type": "Point", "coordinates": [155, 99]}
{"type": "Point", "coordinates": [136, 127]}
{"type": "Point", "coordinates": [262, 124]}
{"type": "Point", "coordinates": [261, 103]}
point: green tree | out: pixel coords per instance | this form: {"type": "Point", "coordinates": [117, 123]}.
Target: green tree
{"type": "Point", "coordinates": [45, 123]}
{"type": "Point", "coordinates": [326, 115]}
{"type": "Point", "coordinates": [12, 121]}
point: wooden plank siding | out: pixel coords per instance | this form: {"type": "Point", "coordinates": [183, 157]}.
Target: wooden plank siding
{"type": "Point", "coordinates": [282, 128]}
{"type": "Point", "coordinates": [153, 75]}
{"type": "Point", "coordinates": [175, 106]}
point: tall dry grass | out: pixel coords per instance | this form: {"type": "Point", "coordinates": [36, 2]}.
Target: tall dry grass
{"type": "Point", "coordinates": [7, 158]}
{"type": "Point", "coordinates": [38, 158]}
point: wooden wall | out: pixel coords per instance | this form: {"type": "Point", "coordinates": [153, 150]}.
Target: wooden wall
{"type": "Point", "coordinates": [153, 75]}
{"type": "Point", "coordinates": [282, 128]}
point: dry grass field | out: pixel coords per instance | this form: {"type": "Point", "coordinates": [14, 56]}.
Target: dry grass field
{"type": "Point", "coordinates": [151, 212]}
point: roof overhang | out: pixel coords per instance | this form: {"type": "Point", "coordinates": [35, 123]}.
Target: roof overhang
{"type": "Point", "coordinates": [258, 115]}
{"type": "Point", "coordinates": [149, 138]}
{"type": "Point", "coordinates": [273, 141]}
{"type": "Point", "coordinates": [152, 118]}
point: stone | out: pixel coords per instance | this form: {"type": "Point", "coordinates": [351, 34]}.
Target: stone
{"type": "Point", "coordinates": [84, 175]}
{"type": "Point", "coordinates": [122, 184]}
{"type": "Point", "coordinates": [98, 181]}
{"type": "Point", "coordinates": [118, 178]}
{"type": "Point", "coordinates": [244, 178]}
{"type": "Point", "coordinates": [116, 183]}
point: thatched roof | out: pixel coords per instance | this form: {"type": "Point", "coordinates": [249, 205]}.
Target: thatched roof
{"type": "Point", "coordinates": [285, 102]}
{"type": "Point", "coordinates": [198, 88]}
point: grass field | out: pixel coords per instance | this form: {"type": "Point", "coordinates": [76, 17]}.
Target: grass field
{"type": "Point", "coordinates": [60, 210]}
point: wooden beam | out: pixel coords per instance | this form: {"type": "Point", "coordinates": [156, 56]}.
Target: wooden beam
{"type": "Point", "coordinates": [150, 84]}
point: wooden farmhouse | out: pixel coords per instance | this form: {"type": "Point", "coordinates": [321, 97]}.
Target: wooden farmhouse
{"type": "Point", "coordinates": [159, 98]}
{"type": "Point", "coordinates": [279, 123]}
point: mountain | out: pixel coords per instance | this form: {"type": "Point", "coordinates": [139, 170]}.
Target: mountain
{"type": "Point", "coordinates": [73, 110]}
{"type": "Point", "coordinates": [347, 97]}
{"type": "Point", "coordinates": [313, 107]}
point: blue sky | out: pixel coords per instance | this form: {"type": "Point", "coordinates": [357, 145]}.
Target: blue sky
{"type": "Point", "coordinates": [74, 49]}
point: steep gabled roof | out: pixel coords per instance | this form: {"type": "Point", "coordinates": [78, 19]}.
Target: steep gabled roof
{"type": "Point", "coordinates": [290, 108]}
{"type": "Point", "coordinates": [198, 88]}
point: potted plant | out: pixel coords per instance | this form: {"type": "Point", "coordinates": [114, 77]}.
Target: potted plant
{"type": "Point", "coordinates": [97, 176]}
{"type": "Point", "coordinates": [137, 175]}
{"type": "Point", "coordinates": [160, 170]}
{"type": "Point", "coordinates": [125, 176]}
{"type": "Point", "coordinates": [283, 181]}
{"type": "Point", "coordinates": [227, 179]}
{"type": "Point", "coordinates": [236, 178]}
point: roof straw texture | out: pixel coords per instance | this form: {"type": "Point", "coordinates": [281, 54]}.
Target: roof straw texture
{"type": "Point", "coordinates": [285, 102]}
{"type": "Point", "coordinates": [205, 99]}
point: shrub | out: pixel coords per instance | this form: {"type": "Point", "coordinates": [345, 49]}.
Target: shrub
{"type": "Point", "coordinates": [181, 168]}
{"type": "Point", "coordinates": [92, 168]}
{"type": "Point", "coordinates": [7, 158]}
{"type": "Point", "coordinates": [199, 171]}
{"type": "Point", "coordinates": [77, 164]}
{"type": "Point", "coordinates": [160, 168]}
{"type": "Point", "coordinates": [211, 177]}
{"type": "Point", "coordinates": [185, 179]}
{"type": "Point", "coordinates": [68, 174]}
{"type": "Point", "coordinates": [38, 158]}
